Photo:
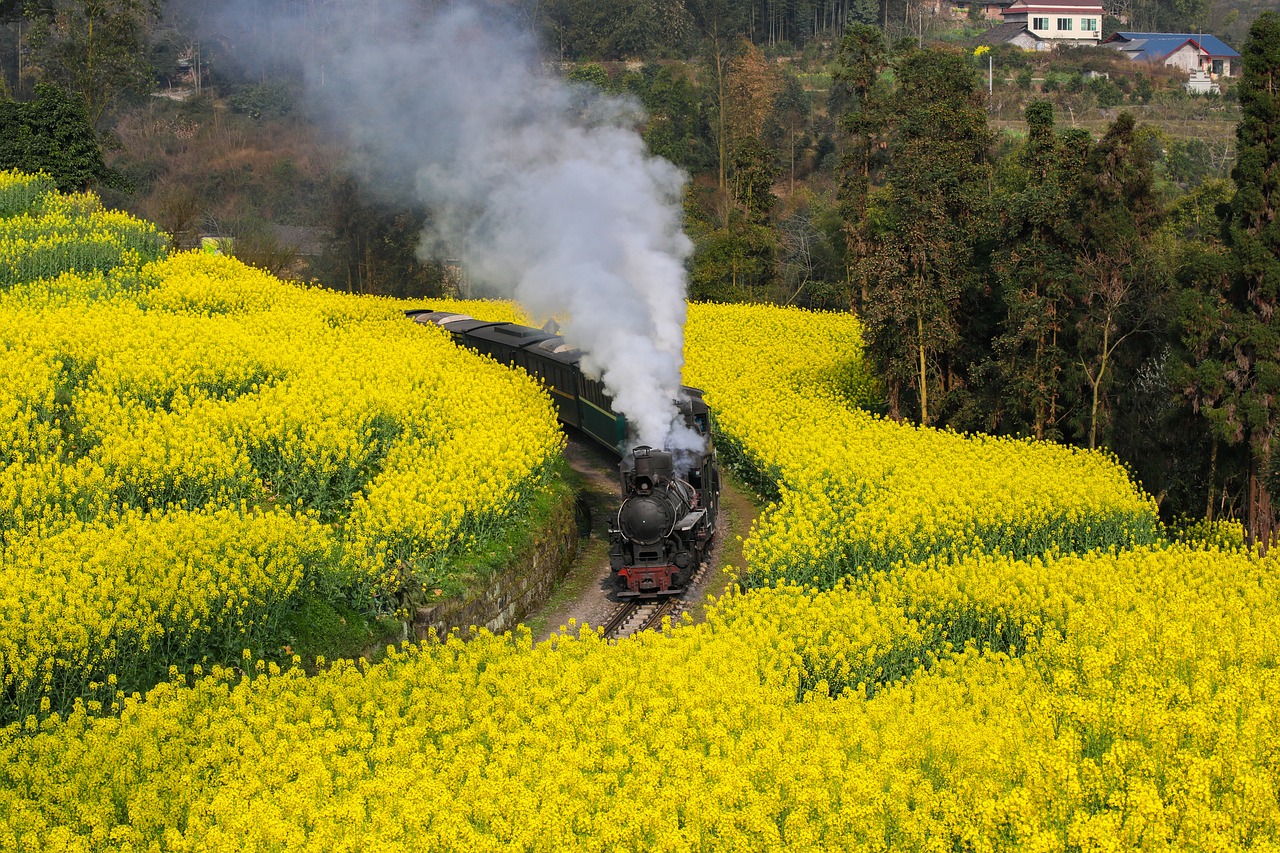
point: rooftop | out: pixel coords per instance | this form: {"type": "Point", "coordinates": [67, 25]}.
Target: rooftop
{"type": "Point", "coordinates": [1156, 46]}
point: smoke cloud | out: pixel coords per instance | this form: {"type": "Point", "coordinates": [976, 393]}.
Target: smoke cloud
{"type": "Point", "coordinates": [543, 189]}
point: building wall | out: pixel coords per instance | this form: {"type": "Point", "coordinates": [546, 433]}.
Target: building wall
{"type": "Point", "coordinates": [1026, 41]}
{"type": "Point", "coordinates": [1048, 26]}
{"type": "Point", "coordinates": [1186, 58]}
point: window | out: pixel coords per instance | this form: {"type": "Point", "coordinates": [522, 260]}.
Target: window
{"type": "Point", "coordinates": [1089, 25]}
{"type": "Point", "coordinates": [1039, 23]}
{"type": "Point", "coordinates": [1064, 23]}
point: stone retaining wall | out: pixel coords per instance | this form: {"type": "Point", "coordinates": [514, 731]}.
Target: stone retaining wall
{"type": "Point", "coordinates": [514, 592]}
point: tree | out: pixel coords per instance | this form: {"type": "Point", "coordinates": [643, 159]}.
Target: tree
{"type": "Point", "coordinates": [749, 92]}
{"type": "Point", "coordinates": [1117, 210]}
{"type": "Point", "coordinates": [733, 264]}
{"type": "Point", "coordinates": [860, 60]}
{"type": "Point", "coordinates": [720, 23]}
{"type": "Point", "coordinates": [792, 111]}
{"type": "Point", "coordinates": [94, 48]}
{"type": "Point", "coordinates": [676, 128]}
{"type": "Point", "coordinates": [52, 134]}
{"type": "Point", "coordinates": [1033, 267]}
{"type": "Point", "coordinates": [923, 235]}
{"type": "Point", "coordinates": [1249, 331]}
{"type": "Point", "coordinates": [374, 247]}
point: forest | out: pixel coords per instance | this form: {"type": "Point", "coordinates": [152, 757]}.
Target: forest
{"type": "Point", "coordinates": [1061, 246]}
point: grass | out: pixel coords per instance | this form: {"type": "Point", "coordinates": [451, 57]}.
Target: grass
{"type": "Point", "coordinates": [318, 627]}
{"type": "Point", "coordinates": [593, 551]}
{"type": "Point", "coordinates": [508, 542]}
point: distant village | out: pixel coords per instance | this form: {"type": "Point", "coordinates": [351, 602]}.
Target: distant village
{"type": "Point", "coordinates": [1045, 24]}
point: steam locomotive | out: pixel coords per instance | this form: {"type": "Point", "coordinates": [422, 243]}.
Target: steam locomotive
{"type": "Point", "coordinates": [664, 527]}
{"type": "Point", "coordinates": [667, 520]}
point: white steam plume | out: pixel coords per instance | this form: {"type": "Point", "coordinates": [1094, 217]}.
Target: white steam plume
{"type": "Point", "coordinates": [544, 189]}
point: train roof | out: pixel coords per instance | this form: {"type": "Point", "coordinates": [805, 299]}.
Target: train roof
{"type": "Point", "coordinates": [456, 323]}
{"type": "Point", "coordinates": [509, 334]}
{"type": "Point", "coordinates": [544, 343]}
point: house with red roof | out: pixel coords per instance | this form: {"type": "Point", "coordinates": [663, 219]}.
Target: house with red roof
{"type": "Point", "coordinates": [1045, 24]}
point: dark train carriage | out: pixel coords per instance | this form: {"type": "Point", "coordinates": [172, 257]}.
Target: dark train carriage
{"type": "Point", "coordinates": [580, 401]}
{"type": "Point", "coordinates": [555, 365]}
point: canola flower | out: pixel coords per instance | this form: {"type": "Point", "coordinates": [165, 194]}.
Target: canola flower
{"type": "Point", "coordinates": [20, 191]}
{"type": "Point", "coordinates": [984, 650]}
{"type": "Point", "coordinates": [196, 399]}
{"type": "Point", "coordinates": [56, 233]}
{"type": "Point", "coordinates": [857, 492]}
{"type": "Point", "coordinates": [1098, 702]}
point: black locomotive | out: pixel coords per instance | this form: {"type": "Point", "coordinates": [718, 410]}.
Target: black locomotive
{"type": "Point", "coordinates": [664, 527]}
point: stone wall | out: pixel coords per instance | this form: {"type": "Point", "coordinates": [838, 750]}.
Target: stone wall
{"type": "Point", "coordinates": [514, 592]}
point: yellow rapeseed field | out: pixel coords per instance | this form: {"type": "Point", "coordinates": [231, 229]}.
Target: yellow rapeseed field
{"type": "Point", "coordinates": [946, 643]}
{"type": "Point", "coordinates": [858, 492]}
{"type": "Point", "coordinates": [1103, 702]}
{"type": "Point", "coordinates": [189, 444]}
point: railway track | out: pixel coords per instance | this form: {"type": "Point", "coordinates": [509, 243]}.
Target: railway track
{"type": "Point", "coordinates": [633, 616]}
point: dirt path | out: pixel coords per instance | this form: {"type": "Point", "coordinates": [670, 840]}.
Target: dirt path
{"type": "Point", "coordinates": [585, 593]}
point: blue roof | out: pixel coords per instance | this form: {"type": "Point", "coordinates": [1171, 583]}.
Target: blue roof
{"type": "Point", "coordinates": [1160, 45]}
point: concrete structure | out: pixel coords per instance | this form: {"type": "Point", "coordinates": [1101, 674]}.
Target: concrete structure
{"type": "Point", "coordinates": [1201, 83]}
{"type": "Point", "coordinates": [1187, 51]}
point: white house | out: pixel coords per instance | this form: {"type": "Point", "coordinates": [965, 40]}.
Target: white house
{"type": "Point", "coordinates": [1189, 52]}
{"type": "Point", "coordinates": [1045, 24]}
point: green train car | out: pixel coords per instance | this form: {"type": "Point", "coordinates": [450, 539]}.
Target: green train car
{"type": "Point", "coordinates": [581, 401]}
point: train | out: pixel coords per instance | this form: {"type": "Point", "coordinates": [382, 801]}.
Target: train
{"type": "Point", "coordinates": [666, 523]}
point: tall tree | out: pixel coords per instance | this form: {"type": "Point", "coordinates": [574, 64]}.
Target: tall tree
{"type": "Point", "coordinates": [860, 60]}
{"type": "Point", "coordinates": [720, 23]}
{"type": "Point", "coordinates": [95, 48]}
{"type": "Point", "coordinates": [1251, 363]}
{"type": "Point", "coordinates": [1033, 267]}
{"type": "Point", "coordinates": [925, 228]}
{"type": "Point", "coordinates": [750, 91]}
{"type": "Point", "coordinates": [1117, 210]}
{"type": "Point", "coordinates": [792, 112]}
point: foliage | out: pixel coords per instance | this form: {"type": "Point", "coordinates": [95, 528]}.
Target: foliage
{"type": "Point", "coordinates": [52, 134]}
{"type": "Point", "coordinates": [860, 493]}
{"type": "Point", "coordinates": [922, 232]}
{"type": "Point", "coordinates": [1228, 321]}
{"type": "Point", "coordinates": [267, 99]}
{"type": "Point", "coordinates": [96, 49]}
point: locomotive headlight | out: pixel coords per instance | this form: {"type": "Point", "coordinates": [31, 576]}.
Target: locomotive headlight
{"type": "Point", "coordinates": [683, 559]}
